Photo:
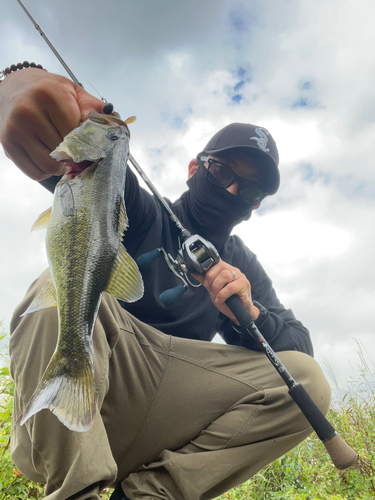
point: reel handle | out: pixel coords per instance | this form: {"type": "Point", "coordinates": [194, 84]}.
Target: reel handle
{"type": "Point", "coordinates": [170, 296]}
{"type": "Point", "coordinates": [146, 260]}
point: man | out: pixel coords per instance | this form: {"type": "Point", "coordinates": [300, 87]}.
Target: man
{"type": "Point", "coordinates": [178, 418]}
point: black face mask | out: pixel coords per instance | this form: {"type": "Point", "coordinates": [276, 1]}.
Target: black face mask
{"type": "Point", "coordinates": [214, 210]}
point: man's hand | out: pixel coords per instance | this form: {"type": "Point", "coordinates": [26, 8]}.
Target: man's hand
{"type": "Point", "coordinates": [223, 281]}
{"type": "Point", "coordinates": [37, 110]}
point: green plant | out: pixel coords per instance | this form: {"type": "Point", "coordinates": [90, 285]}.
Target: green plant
{"type": "Point", "coordinates": [305, 473]}
{"type": "Point", "coordinates": [13, 485]}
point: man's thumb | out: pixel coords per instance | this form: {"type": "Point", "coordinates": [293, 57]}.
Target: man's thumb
{"type": "Point", "coordinates": [87, 102]}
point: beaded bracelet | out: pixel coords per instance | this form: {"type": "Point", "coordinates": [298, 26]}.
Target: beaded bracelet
{"type": "Point", "coordinates": [7, 71]}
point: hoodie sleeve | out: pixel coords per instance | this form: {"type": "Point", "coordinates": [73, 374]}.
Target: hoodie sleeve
{"type": "Point", "coordinates": [51, 182]}
{"type": "Point", "coordinates": [277, 324]}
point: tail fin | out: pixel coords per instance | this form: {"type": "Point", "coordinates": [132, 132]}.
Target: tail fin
{"type": "Point", "coordinates": [69, 394]}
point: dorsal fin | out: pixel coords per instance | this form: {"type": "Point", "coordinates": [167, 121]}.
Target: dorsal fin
{"type": "Point", "coordinates": [123, 219]}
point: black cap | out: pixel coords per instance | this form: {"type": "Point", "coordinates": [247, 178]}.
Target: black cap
{"type": "Point", "coordinates": [259, 144]}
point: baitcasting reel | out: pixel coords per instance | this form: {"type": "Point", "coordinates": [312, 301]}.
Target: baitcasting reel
{"type": "Point", "coordinates": [195, 255]}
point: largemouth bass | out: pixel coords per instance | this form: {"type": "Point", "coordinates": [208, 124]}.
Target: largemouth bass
{"type": "Point", "coordinates": [85, 227]}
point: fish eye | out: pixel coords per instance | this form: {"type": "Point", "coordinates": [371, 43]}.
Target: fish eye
{"type": "Point", "coordinates": [112, 136]}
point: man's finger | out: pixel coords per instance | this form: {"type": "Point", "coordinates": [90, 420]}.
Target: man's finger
{"type": "Point", "coordinates": [35, 161]}
{"type": "Point", "coordinates": [20, 157]}
{"type": "Point", "coordinates": [87, 102]}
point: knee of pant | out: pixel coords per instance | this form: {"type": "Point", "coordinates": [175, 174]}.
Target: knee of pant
{"type": "Point", "coordinates": [307, 371]}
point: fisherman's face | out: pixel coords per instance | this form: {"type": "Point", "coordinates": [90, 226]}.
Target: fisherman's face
{"type": "Point", "coordinates": [242, 165]}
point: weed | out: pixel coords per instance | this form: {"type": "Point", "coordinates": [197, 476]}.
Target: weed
{"type": "Point", "coordinates": [305, 473]}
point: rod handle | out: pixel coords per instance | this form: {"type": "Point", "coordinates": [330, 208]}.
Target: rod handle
{"type": "Point", "coordinates": [342, 455]}
{"type": "Point", "coordinates": [239, 310]}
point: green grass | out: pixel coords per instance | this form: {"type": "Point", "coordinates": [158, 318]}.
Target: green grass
{"type": "Point", "coordinates": [305, 473]}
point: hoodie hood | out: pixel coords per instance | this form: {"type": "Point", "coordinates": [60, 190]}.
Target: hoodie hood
{"type": "Point", "coordinates": [213, 212]}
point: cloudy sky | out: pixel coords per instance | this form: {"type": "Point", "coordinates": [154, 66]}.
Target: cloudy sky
{"type": "Point", "coordinates": [304, 70]}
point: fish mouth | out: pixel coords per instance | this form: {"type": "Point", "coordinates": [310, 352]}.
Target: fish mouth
{"type": "Point", "coordinates": [75, 169]}
{"type": "Point", "coordinates": [85, 146]}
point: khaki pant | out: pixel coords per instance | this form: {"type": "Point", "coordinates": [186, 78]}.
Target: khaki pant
{"type": "Point", "coordinates": [177, 418]}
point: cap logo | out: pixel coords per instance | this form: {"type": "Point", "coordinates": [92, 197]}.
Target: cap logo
{"type": "Point", "coordinates": [262, 140]}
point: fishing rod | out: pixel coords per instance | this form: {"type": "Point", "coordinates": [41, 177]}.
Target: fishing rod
{"type": "Point", "coordinates": [197, 255]}
{"type": "Point", "coordinates": [37, 27]}
{"type": "Point", "coordinates": [108, 107]}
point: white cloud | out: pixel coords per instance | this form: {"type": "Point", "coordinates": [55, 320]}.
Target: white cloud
{"type": "Point", "coordinates": [302, 69]}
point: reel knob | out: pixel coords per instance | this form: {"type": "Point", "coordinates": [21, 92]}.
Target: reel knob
{"type": "Point", "coordinates": [146, 260]}
{"type": "Point", "coordinates": [170, 297]}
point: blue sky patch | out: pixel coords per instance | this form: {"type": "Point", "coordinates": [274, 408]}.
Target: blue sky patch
{"type": "Point", "coordinates": [176, 121]}
{"type": "Point", "coordinates": [237, 98]}
{"type": "Point", "coordinates": [312, 174]}
{"type": "Point", "coordinates": [234, 92]}
{"type": "Point", "coordinates": [353, 187]}
{"type": "Point", "coordinates": [350, 186]}
{"type": "Point", "coordinates": [239, 85]}
{"type": "Point", "coordinates": [155, 151]}
{"type": "Point", "coordinates": [306, 85]}
{"type": "Point", "coordinates": [304, 102]}
{"type": "Point", "coordinates": [242, 73]}
{"type": "Point", "coordinates": [241, 20]}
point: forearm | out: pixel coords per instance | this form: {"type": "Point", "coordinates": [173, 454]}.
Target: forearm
{"type": "Point", "coordinates": [281, 330]}
{"type": "Point", "coordinates": [277, 324]}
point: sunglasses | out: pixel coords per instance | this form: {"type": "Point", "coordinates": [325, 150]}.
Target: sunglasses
{"type": "Point", "coordinates": [221, 175]}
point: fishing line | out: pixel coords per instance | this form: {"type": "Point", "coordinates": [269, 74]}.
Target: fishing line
{"type": "Point", "coordinates": [66, 67]}
{"type": "Point", "coordinates": [78, 69]}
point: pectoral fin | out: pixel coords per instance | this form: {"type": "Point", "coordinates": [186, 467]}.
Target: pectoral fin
{"type": "Point", "coordinates": [42, 221]}
{"type": "Point", "coordinates": [126, 281]}
{"type": "Point", "coordinates": [45, 298]}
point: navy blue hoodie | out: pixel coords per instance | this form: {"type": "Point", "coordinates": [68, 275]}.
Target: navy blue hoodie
{"type": "Point", "coordinates": [212, 213]}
